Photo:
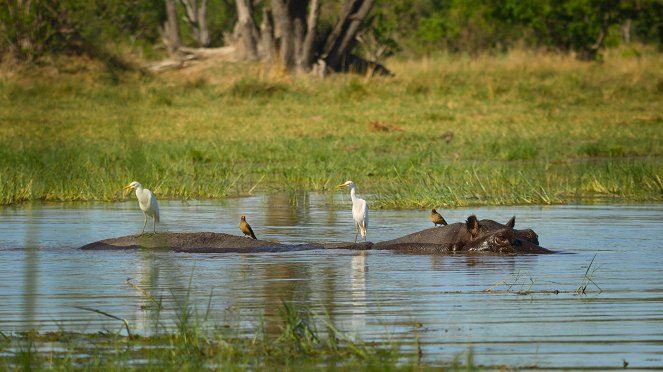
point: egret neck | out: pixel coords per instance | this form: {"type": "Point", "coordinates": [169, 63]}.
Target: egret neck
{"type": "Point", "coordinates": [352, 193]}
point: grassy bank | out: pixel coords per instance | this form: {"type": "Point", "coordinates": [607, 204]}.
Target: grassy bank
{"type": "Point", "coordinates": [446, 131]}
{"type": "Point", "coordinates": [192, 347]}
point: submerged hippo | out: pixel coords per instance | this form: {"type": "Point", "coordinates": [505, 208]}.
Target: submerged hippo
{"type": "Point", "coordinates": [471, 236]}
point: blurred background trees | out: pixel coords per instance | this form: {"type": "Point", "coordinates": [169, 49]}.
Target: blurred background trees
{"type": "Point", "coordinates": [31, 30]}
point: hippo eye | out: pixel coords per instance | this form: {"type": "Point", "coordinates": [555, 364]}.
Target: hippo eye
{"type": "Point", "coordinates": [502, 239]}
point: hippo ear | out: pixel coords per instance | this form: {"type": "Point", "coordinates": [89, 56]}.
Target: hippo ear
{"type": "Point", "coordinates": [472, 225]}
{"type": "Point", "coordinates": [512, 222]}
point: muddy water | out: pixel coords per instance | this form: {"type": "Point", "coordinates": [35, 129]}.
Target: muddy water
{"type": "Point", "coordinates": [518, 311]}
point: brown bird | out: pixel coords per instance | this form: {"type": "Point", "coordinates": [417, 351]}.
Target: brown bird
{"type": "Point", "coordinates": [437, 218]}
{"type": "Point", "coordinates": [246, 228]}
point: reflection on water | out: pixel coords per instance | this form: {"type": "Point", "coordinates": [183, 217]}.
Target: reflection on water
{"type": "Point", "coordinates": [461, 301]}
{"type": "Point", "coordinates": [358, 290]}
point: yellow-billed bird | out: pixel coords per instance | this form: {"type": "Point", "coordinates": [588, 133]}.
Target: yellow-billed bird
{"type": "Point", "coordinates": [246, 228]}
{"type": "Point", "coordinates": [147, 203]}
{"type": "Point", "coordinates": [359, 211]}
{"type": "Point", "coordinates": [437, 218]}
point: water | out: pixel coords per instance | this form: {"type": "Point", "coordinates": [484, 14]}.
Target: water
{"type": "Point", "coordinates": [453, 303]}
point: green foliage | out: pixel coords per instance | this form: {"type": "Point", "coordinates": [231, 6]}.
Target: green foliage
{"type": "Point", "coordinates": [41, 27]}
{"type": "Point", "coordinates": [28, 29]}
{"type": "Point", "coordinates": [487, 25]}
{"type": "Point", "coordinates": [520, 128]}
{"type": "Point", "coordinates": [578, 25]}
{"type": "Point", "coordinates": [38, 28]}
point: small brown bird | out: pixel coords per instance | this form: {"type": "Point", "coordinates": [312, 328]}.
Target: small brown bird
{"type": "Point", "coordinates": [437, 218]}
{"type": "Point", "coordinates": [246, 228]}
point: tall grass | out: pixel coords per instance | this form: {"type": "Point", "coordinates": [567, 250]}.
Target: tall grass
{"type": "Point", "coordinates": [518, 128]}
{"type": "Point", "coordinates": [191, 346]}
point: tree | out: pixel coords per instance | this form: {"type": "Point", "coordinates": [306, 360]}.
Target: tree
{"type": "Point", "coordinates": [170, 30]}
{"type": "Point", "coordinates": [569, 25]}
{"type": "Point", "coordinates": [247, 29]}
{"type": "Point", "coordinates": [289, 30]}
{"type": "Point", "coordinates": [195, 13]}
{"type": "Point", "coordinates": [31, 29]}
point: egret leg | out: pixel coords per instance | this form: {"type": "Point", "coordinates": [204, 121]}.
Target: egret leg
{"type": "Point", "coordinates": [154, 225]}
{"type": "Point", "coordinates": [357, 233]}
{"type": "Point", "coordinates": [144, 223]}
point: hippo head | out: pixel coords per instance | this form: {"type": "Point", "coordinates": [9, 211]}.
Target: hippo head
{"type": "Point", "coordinates": [477, 237]}
{"type": "Point", "coordinates": [469, 236]}
{"type": "Point", "coordinates": [529, 235]}
{"type": "Point", "coordinates": [500, 241]}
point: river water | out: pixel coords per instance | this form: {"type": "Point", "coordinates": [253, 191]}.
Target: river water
{"type": "Point", "coordinates": [512, 310]}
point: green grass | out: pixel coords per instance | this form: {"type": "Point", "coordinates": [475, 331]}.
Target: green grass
{"type": "Point", "coordinates": [292, 337]}
{"type": "Point", "coordinates": [447, 131]}
{"type": "Point", "coordinates": [190, 346]}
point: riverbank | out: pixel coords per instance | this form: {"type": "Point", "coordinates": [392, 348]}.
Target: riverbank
{"type": "Point", "coordinates": [521, 128]}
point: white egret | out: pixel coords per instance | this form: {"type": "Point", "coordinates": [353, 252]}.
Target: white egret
{"type": "Point", "coordinates": [359, 211]}
{"type": "Point", "coordinates": [147, 203]}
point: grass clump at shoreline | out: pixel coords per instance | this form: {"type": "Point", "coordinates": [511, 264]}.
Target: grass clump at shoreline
{"type": "Point", "coordinates": [521, 128]}
{"type": "Point", "coordinates": [189, 346]}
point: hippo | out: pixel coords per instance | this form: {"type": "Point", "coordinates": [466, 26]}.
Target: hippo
{"type": "Point", "coordinates": [472, 236]}
{"type": "Point", "coordinates": [210, 242]}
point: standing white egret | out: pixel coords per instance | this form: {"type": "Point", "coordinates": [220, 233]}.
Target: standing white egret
{"type": "Point", "coordinates": [359, 211]}
{"type": "Point", "coordinates": [147, 203]}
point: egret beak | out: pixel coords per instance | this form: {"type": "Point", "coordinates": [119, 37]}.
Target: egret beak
{"type": "Point", "coordinates": [127, 187]}
{"type": "Point", "coordinates": [341, 185]}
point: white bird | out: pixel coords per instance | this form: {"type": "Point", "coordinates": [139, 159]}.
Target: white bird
{"type": "Point", "coordinates": [359, 211]}
{"type": "Point", "coordinates": [147, 203]}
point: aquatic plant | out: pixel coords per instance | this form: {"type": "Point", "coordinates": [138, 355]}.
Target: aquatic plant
{"type": "Point", "coordinates": [588, 278]}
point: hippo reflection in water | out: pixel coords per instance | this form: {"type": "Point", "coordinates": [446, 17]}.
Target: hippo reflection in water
{"type": "Point", "coordinates": [472, 236]}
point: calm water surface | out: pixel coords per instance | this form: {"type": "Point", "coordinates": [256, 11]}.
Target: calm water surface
{"type": "Point", "coordinates": [453, 303]}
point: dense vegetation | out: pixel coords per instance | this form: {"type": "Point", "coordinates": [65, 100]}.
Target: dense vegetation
{"type": "Point", "coordinates": [39, 28]}
{"type": "Point", "coordinates": [486, 106]}
{"type": "Point", "coordinates": [517, 128]}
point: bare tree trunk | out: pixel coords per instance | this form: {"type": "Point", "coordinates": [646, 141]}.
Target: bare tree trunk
{"type": "Point", "coordinates": [196, 16]}
{"type": "Point", "coordinates": [336, 33]}
{"type": "Point", "coordinates": [345, 31]}
{"type": "Point", "coordinates": [307, 48]}
{"type": "Point", "coordinates": [290, 30]}
{"type": "Point", "coordinates": [288, 34]}
{"type": "Point", "coordinates": [625, 30]}
{"type": "Point", "coordinates": [284, 32]}
{"type": "Point", "coordinates": [248, 29]}
{"type": "Point", "coordinates": [267, 36]}
{"type": "Point", "coordinates": [297, 10]}
{"type": "Point", "coordinates": [170, 31]}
